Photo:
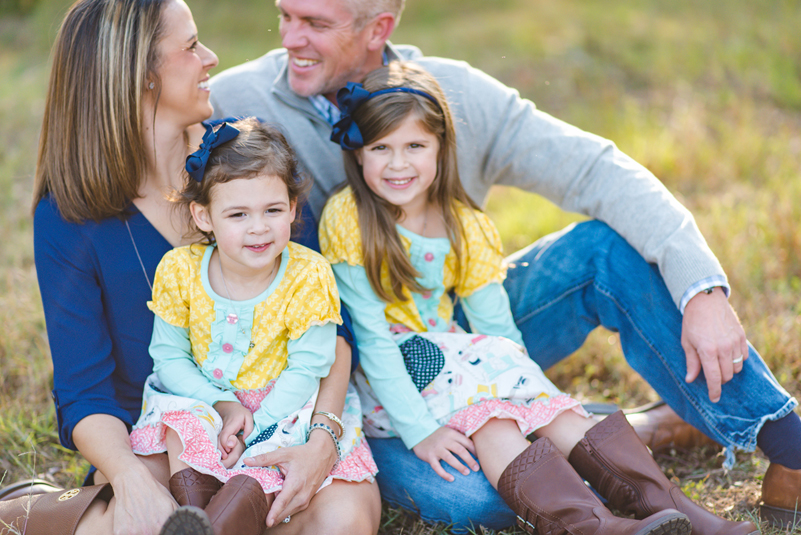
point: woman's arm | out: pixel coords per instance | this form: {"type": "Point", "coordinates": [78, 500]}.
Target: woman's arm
{"type": "Point", "coordinates": [305, 467]}
{"type": "Point", "coordinates": [77, 327]}
{"type": "Point", "coordinates": [334, 387]}
{"type": "Point", "coordinates": [90, 416]}
{"type": "Point", "coordinates": [142, 503]}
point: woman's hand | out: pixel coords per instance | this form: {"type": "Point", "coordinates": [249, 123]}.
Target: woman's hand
{"type": "Point", "coordinates": [305, 467]}
{"type": "Point", "coordinates": [235, 418]}
{"type": "Point", "coordinates": [142, 504]}
{"type": "Point", "coordinates": [441, 445]}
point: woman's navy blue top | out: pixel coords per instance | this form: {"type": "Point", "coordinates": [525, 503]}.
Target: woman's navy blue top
{"type": "Point", "coordinates": [95, 297]}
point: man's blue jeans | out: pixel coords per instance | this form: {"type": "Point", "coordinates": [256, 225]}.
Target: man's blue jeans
{"type": "Point", "coordinates": [561, 288]}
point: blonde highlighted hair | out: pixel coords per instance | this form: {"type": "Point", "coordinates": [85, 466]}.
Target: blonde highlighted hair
{"type": "Point", "coordinates": [91, 150]}
{"type": "Point", "coordinates": [376, 118]}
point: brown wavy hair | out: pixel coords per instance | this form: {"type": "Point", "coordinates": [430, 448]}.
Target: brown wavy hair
{"type": "Point", "coordinates": [258, 150]}
{"type": "Point", "coordinates": [91, 149]}
{"type": "Point", "coordinates": [376, 118]}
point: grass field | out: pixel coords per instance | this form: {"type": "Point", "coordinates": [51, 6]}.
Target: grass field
{"type": "Point", "coordinates": [705, 94]}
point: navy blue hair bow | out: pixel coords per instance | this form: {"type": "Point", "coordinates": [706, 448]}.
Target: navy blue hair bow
{"type": "Point", "coordinates": [196, 162]}
{"type": "Point", "coordinates": [346, 132]}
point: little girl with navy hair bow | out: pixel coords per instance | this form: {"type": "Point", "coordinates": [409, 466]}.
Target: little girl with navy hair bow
{"type": "Point", "coordinates": [245, 327]}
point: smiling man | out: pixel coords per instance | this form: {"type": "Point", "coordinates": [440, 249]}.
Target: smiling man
{"type": "Point", "coordinates": [641, 267]}
{"type": "Point", "coordinates": [325, 47]}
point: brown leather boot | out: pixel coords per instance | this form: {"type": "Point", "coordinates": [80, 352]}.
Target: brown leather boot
{"type": "Point", "coordinates": [549, 497]}
{"type": "Point", "coordinates": [49, 513]}
{"type": "Point", "coordinates": [190, 487]}
{"type": "Point", "coordinates": [28, 487]}
{"type": "Point", "coordinates": [660, 428]}
{"type": "Point", "coordinates": [781, 496]}
{"type": "Point", "coordinates": [240, 507]}
{"type": "Point", "coordinates": [614, 461]}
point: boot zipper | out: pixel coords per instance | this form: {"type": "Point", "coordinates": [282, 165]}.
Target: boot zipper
{"type": "Point", "coordinates": [592, 451]}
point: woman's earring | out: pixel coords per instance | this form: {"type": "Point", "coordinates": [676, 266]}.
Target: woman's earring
{"type": "Point", "coordinates": [151, 85]}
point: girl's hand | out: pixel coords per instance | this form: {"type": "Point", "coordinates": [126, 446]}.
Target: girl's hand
{"type": "Point", "coordinates": [141, 504]}
{"type": "Point", "coordinates": [235, 418]}
{"type": "Point", "coordinates": [441, 445]}
{"type": "Point", "coordinates": [232, 456]}
{"type": "Point", "coordinates": [305, 467]}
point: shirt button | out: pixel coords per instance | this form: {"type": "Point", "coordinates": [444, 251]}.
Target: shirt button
{"type": "Point", "coordinates": [426, 295]}
{"type": "Point", "coordinates": [218, 373]}
{"type": "Point", "coordinates": [432, 322]}
{"type": "Point", "coordinates": [227, 348]}
{"type": "Point", "coordinates": [429, 257]}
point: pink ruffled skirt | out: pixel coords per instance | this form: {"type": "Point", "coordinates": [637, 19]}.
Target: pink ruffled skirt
{"type": "Point", "coordinates": [198, 425]}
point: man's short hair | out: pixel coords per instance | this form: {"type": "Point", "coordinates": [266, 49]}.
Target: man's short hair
{"type": "Point", "coordinates": [364, 10]}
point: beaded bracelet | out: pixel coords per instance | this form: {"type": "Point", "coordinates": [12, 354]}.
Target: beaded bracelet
{"type": "Point", "coordinates": [330, 431]}
{"type": "Point", "coordinates": [334, 418]}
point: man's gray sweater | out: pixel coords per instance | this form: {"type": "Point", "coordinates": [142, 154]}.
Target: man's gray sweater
{"type": "Point", "coordinates": [502, 139]}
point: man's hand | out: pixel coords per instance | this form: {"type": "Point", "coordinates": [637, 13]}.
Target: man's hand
{"type": "Point", "coordinates": [713, 340]}
{"type": "Point", "coordinates": [235, 418]}
{"type": "Point", "coordinates": [441, 445]}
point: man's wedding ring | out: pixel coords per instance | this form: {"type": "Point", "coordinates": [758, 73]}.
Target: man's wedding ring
{"type": "Point", "coordinates": [737, 360]}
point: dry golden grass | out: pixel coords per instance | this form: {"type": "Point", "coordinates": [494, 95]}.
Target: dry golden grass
{"type": "Point", "coordinates": [705, 94]}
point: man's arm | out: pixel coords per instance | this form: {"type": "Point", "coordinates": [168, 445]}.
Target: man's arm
{"type": "Point", "coordinates": [504, 139]}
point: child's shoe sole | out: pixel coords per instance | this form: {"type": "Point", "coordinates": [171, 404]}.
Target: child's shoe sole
{"type": "Point", "coordinates": [675, 524]}
{"type": "Point", "coordinates": [187, 520]}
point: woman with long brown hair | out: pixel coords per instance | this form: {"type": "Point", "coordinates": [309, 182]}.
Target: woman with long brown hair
{"type": "Point", "coordinates": [127, 95]}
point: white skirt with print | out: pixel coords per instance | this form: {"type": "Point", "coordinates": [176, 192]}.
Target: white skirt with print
{"type": "Point", "coordinates": [466, 379]}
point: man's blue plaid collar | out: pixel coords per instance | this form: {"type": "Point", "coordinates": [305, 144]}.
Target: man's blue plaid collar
{"type": "Point", "coordinates": [327, 110]}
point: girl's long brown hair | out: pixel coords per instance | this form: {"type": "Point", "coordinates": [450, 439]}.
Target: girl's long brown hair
{"type": "Point", "coordinates": [376, 118]}
{"type": "Point", "coordinates": [91, 150]}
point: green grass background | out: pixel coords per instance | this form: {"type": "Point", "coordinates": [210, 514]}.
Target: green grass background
{"type": "Point", "coordinates": [705, 94]}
